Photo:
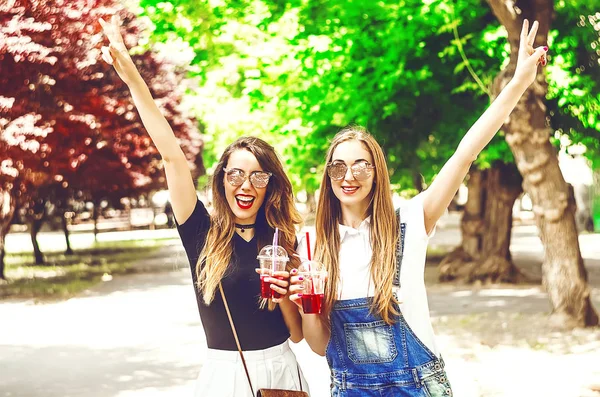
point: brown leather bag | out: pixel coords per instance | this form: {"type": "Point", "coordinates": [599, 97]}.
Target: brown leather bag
{"type": "Point", "coordinates": [260, 392]}
{"type": "Point", "coordinates": [280, 393]}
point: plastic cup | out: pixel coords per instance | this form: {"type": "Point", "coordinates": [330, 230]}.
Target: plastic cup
{"type": "Point", "coordinates": [313, 286]}
{"type": "Point", "coordinates": [272, 259]}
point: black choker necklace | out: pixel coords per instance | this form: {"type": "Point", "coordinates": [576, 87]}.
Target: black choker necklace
{"type": "Point", "coordinates": [244, 227]}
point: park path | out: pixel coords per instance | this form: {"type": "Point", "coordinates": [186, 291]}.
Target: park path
{"type": "Point", "coordinates": [140, 335]}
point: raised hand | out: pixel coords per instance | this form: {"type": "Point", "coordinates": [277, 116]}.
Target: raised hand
{"type": "Point", "coordinates": [529, 57]}
{"type": "Point", "coordinates": [116, 53]}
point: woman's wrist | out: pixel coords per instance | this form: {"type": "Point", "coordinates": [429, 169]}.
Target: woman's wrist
{"type": "Point", "coordinates": [518, 85]}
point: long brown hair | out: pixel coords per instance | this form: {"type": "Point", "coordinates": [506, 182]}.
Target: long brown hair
{"type": "Point", "coordinates": [278, 210]}
{"type": "Point", "coordinates": [384, 227]}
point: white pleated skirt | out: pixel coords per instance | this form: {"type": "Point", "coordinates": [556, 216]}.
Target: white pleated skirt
{"type": "Point", "coordinates": [223, 375]}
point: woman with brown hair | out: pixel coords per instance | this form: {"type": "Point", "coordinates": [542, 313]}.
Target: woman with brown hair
{"type": "Point", "coordinates": [252, 196]}
{"type": "Point", "coordinates": [375, 329]}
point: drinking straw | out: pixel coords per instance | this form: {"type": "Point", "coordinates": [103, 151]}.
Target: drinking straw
{"type": "Point", "coordinates": [308, 245]}
{"type": "Point", "coordinates": [275, 241]}
{"type": "Point", "coordinates": [312, 284]}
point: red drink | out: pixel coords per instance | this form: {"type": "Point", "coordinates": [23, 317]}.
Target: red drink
{"type": "Point", "coordinates": [265, 287]}
{"type": "Point", "coordinates": [311, 303]}
{"type": "Point", "coordinates": [272, 260]}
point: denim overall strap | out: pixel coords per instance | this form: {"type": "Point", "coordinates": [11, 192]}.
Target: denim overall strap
{"type": "Point", "coordinates": [399, 249]}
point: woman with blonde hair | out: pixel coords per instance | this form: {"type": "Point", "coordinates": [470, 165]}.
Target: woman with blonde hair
{"type": "Point", "coordinates": [375, 329]}
{"type": "Point", "coordinates": [252, 196]}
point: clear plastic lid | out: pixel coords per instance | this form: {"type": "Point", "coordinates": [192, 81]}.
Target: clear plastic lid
{"type": "Point", "coordinates": [311, 266]}
{"type": "Point", "coordinates": [269, 251]}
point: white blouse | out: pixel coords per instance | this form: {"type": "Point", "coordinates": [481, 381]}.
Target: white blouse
{"type": "Point", "coordinates": [355, 275]}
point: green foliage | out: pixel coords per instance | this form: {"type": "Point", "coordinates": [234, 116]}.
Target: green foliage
{"type": "Point", "coordinates": [416, 73]}
{"type": "Point", "coordinates": [574, 74]}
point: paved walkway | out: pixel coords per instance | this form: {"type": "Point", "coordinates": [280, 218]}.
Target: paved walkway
{"type": "Point", "coordinates": [140, 335]}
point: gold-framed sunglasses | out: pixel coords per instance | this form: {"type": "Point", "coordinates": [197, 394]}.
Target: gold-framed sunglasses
{"type": "Point", "coordinates": [361, 170]}
{"type": "Point", "coordinates": [237, 177]}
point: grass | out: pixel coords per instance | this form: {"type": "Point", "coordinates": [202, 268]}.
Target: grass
{"type": "Point", "coordinates": [64, 276]}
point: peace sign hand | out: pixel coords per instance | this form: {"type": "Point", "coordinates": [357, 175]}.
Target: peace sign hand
{"type": "Point", "coordinates": [116, 53]}
{"type": "Point", "coordinates": [529, 57]}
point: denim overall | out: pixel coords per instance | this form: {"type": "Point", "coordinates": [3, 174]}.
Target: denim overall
{"type": "Point", "coordinates": [368, 357]}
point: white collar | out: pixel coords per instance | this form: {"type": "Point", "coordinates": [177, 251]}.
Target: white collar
{"type": "Point", "coordinates": [364, 226]}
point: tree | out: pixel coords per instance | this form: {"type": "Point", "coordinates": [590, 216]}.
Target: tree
{"type": "Point", "coordinates": [63, 111]}
{"type": "Point", "coordinates": [382, 64]}
{"type": "Point", "coordinates": [527, 134]}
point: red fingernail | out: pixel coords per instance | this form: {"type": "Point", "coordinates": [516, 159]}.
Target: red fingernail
{"type": "Point", "coordinates": [301, 278]}
{"type": "Point", "coordinates": [545, 48]}
{"type": "Point", "coordinates": [299, 295]}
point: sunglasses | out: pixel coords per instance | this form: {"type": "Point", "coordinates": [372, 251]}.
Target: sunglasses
{"type": "Point", "coordinates": [361, 170]}
{"type": "Point", "coordinates": [237, 177]}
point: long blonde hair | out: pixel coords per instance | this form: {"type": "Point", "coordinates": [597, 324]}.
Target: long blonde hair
{"type": "Point", "coordinates": [384, 227]}
{"type": "Point", "coordinates": [278, 210]}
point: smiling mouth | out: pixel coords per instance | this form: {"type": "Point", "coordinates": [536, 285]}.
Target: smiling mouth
{"type": "Point", "coordinates": [244, 202]}
{"type": "Point", "coordinates": [349, 189]}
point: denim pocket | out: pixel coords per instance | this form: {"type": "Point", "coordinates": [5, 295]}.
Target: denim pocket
{"type": "Point", "coordinates": [438, 385]}
{"type": "Point", "coordinates": [370, 343]}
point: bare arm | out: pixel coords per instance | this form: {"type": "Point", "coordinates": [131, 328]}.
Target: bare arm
{"type": "Point", "coordinates": [292, 320]}
{"type": "Point", "coordinates": [439, 195]}
{"type": "Point", "coordinates": [179, 177]}
{"type": "Point", "coordinates": [314, 326]}
{"type": "Point", "coordinates": [316, 332]}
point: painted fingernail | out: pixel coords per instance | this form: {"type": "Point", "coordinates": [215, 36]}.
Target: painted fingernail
{"type": "Point", "coordinates": [299, 295]}
{"type": "Point", "coordinates": [301, 278]}
{"type": "Point", "coordinates": [545, 48]}
{"type": "Point", "coordinates": [294, 271]}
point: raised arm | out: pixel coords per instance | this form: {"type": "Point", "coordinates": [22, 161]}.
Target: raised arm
{"type": "Point", "coordinates": [179, 177]}
{"type": "Point", "coordinates": [439, 195]}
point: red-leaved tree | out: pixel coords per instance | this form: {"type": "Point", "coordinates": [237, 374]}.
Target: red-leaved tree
{"type": "Point", "coordinates": [68, 125]}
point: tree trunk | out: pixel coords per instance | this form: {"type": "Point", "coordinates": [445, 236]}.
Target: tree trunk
{"type": "Point", "coordinates": [2, 254]}
{"type": "Point", "coordinates": [563, 273]}
{"type": "Point", "coordinates": [8, 207]}
{"type": "Point", "coordinates": [503, 186]}
{"type": "Point", "coordinates": [65, 228]}
{"type": "Point", "coordinates": [34, 228]}
{"type": "Point", "coordinates": [484, 253]}
{"type": "Point", "coordinates": [36, 215]}
{"type": "Point", "coordinates": [311, 202]}
{"type": "Point", "coordinates": [460, 263]}
{"type": "Point", "coordinates": [418, 181]}
{"type": "Point", "coordinates": [95, 214]}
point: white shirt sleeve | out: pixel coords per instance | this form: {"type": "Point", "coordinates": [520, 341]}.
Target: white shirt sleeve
{"type": "Point", "coordinates": [412, 212]}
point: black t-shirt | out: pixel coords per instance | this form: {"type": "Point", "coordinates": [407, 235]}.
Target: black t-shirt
{"type": "Point", "coordinates": [257, 328]}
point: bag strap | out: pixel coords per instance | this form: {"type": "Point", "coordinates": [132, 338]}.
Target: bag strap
{"type": "Point", "coordinates": [237, 342]}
